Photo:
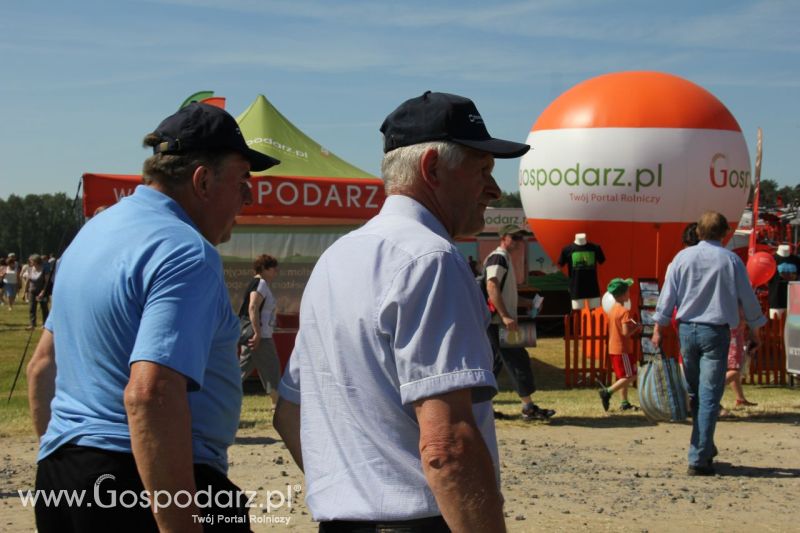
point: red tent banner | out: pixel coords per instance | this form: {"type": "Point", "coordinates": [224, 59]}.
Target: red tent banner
{"type": "Point", "coordinates": [355, 198]}
{"type": "Point", "coordinates": [316, 197]}
{"type": "Point", "coordinates": [104, 190]}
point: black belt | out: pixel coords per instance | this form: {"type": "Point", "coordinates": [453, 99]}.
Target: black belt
{"type": "Point", "coordinates": [433, 524]}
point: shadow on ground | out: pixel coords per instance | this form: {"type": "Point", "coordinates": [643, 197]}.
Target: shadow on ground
{"type": "Point", "coordinates": [255, 440]}
{"type": "Point", "coordinates": [730, 470]}
{"type": "Point", "coordinates": [611, 421]}
{"type": "Point", "coordinates": [764, 417]}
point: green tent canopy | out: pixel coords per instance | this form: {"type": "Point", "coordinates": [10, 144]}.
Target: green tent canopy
{"type": "Point", "coordinates": [265, 129]}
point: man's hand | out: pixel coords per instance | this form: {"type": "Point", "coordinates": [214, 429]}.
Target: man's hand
{"type": "Point", "coordinates": [656, 338]}
{"type": "Point", "coordinates": [255, 340]}
{"type": "Point", "coordinates": [457, 463]}
{"type": "Point", "coordinates": [510, 323]}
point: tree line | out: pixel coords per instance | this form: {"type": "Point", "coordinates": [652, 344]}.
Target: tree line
{"type": "Point", "coordinates": [47, 223]}
{"type": "Point", "coordinates": [771, 195]}
{"type": "Point", "coordinates": [38, 223]}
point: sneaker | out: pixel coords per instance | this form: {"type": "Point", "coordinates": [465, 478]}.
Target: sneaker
{"type": "Point", "coordinates": [500, 416]}
{"type": "Point", "coordinates": [627, 406]}
{"type": "Point", "coordinates": [701, 470]}
{"type": "Point", "coordinates": [605, 398]}
{"type": "Point", "coordinates": [534, 412]}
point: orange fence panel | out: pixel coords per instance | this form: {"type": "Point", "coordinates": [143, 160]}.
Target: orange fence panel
{"type": "Point", "coordinates": [768, 364]}
{"type": "Point", "coordinates": [586, 359]}
{"type": "Point", "coordinates": [586, 350]}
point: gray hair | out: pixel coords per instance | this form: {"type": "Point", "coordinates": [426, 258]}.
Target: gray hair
{"type": "Point", "coordinates": [174, 170]}
{"type": "Point", "coordinates": [400, 167]}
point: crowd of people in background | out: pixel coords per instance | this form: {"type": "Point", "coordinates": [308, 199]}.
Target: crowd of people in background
{"type": "Point", "coordinates": [34, 280]}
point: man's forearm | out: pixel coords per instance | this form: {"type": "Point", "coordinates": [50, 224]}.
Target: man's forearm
{"type": "Point", "coordinates": [497, 299]}
{"type": "Point", "coordinates": [161, 438]}
{"type": "Point", "coordinates": [463, 481]}
{"type": "Point", "coordinates": [255, 318]}
{"type": "Point", "coordinates": [41, 373]}
{"type": "Point", "coordinates": [457, 464]}
{"type": "Point", "coordinates": [287, 423]}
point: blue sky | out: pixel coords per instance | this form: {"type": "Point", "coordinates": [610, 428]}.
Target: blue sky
{"type": "Point", "coordinates": [83, 81]}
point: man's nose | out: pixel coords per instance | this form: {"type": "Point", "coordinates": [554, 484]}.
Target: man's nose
{"type": "Point", "coordinates": [492, 189]}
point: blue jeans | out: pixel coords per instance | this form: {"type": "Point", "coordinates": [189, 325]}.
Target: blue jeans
{"type": "Point", "coordinates": [705, 360]}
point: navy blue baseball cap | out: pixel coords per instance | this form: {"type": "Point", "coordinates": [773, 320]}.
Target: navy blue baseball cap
{"type": "Point", "coordinates": [444, 117]}
{"type": "Point", "coordinates": [199, 127]}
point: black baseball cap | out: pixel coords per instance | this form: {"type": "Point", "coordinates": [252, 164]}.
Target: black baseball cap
{"type": "Point", "coordinates": [443, 117]}
{"type": "Point", "coordinates": [201, 126]}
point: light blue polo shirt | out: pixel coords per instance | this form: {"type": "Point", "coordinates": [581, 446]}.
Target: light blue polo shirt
{"type": "Point", "coordinates": [708, 283]}
{"type": "Point", "coordinates": [391, 314]}
{"type": "Point", "coordinates": [139, 283]}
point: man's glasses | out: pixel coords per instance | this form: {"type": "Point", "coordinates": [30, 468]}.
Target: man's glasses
{"type": "Point", "coordinates": [517, 237]}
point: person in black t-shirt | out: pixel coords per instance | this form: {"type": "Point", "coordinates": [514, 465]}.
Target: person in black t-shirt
{"type": "Point", "coordinates": [581, 259]}
{"type": "Point", "coordinates": [779, 283]}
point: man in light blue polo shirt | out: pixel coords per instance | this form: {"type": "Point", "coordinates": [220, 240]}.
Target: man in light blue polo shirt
{"type": "Point", "coordinates": [708, 284]}
{"type": "Point", "coordinates": [135, 384]}
{"type": "Point", "coordinates": [391, 374]}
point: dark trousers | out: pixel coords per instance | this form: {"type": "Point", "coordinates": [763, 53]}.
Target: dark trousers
{"type": "Point", "coordinates": [43, 304]}
{"type": "Point", "coordinates": [112, 493]}
{"type": "Point", "coordinates": [434, 524]}
{"type": "Point", "coordinates": [516, 361]}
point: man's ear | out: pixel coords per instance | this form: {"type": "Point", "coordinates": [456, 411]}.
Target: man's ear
{"type": "Point", "coordinates": [428, 166]}
{"type": "Point", "coordinates": [201, 181]}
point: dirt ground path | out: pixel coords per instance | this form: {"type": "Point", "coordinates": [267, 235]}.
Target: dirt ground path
{"type": "Point", "coordinates": [574, 474]}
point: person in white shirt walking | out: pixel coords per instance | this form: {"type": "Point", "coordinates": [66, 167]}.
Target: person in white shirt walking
{"type": "Point", "coordinates": [392, 369]}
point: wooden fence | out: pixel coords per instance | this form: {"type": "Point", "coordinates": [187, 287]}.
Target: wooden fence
{"type": "Point", "coordinates": [768, 365]}
{"type": "Point", "coordinates": [586, 361]}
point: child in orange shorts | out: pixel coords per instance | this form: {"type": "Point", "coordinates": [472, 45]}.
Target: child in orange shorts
{"type": "Point", "coordinates": [621, 328]}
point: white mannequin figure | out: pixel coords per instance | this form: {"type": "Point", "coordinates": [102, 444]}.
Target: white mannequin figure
{"type": "Point", "coordinates": [783, 251]}
{"type": "Point", "coordinates": [577, 305]}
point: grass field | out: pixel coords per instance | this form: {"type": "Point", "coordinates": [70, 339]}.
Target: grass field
{"type": "Point", "coordinates": [548, 364]}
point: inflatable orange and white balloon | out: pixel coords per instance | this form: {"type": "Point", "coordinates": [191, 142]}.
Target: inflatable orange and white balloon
{"type": "Point", "coordinates": [629, 159]}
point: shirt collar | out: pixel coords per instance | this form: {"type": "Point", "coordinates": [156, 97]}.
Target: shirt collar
{"type": "Point", "coordinates": [718, 244]}
{"type": "Point", "coordinates": [405, 206]}
{"type": "Point", "coordinates": [161, 202]}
